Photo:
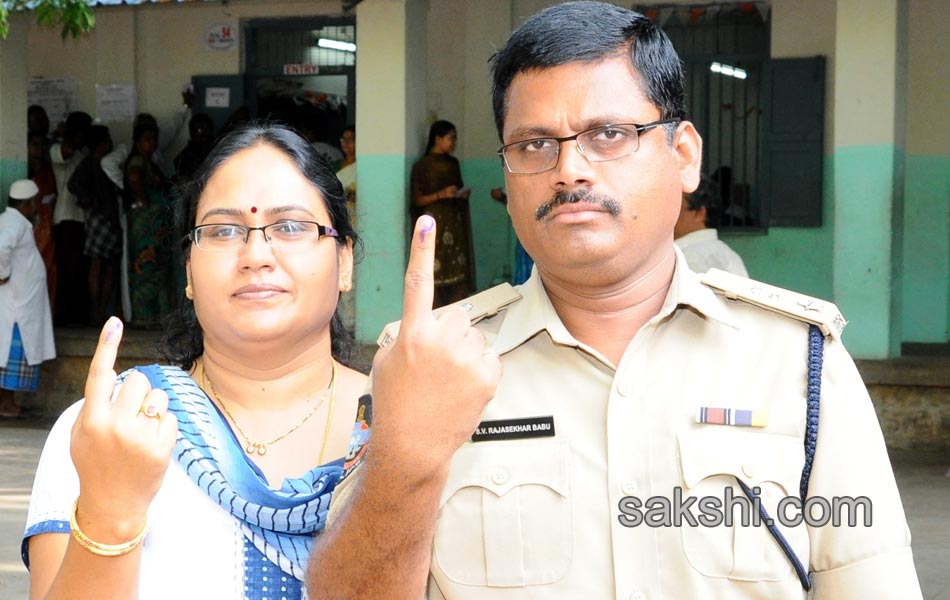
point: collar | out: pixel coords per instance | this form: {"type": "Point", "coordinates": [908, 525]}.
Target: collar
{"type": "Point", "coordinates": [535, 313]}
{"type": "Point", "coordinates": [697, 237]}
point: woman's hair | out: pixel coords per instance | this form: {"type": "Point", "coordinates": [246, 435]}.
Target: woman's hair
{"type": "Point", "coordinates": [439, 129]}
{"type": "Point", "coordinates": [183, 341]}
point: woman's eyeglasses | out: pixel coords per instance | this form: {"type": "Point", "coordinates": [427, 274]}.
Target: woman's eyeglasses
{"type": "Point", "coordinates": [286, 235]}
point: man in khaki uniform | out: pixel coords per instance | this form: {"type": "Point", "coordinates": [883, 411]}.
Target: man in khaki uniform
{"type": "Point", "coordinates": [619, 389]}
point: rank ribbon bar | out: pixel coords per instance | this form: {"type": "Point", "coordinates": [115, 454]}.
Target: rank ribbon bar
{"type": "Point", "coordinates": [732, 416]}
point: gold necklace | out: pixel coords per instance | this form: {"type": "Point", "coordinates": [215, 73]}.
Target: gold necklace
{"type": "Point", "coordinates": [261, 447]}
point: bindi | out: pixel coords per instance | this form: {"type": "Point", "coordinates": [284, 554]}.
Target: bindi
{"type": "Point", "coordinates": [253, 209]}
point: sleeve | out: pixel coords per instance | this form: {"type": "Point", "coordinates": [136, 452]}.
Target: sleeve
{"type": "Point", "coordinates": [8, 239]}
{"type": "Point", "coordinates": [113, 162]}
{"type": "Point", "coordinates": [56, 154]}
{"type": "Point", "coordinates": [870, 558]}
{"type": "Point", "coordinates": [56, 485]}
{"type": "Point", "coordinates": [169, 131]}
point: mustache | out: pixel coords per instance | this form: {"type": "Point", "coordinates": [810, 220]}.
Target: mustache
{"type": "Point", "coordinates": [576, 196]}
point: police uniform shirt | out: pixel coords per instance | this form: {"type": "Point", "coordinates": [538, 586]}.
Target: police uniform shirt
{"type": "Point", "coordinates": [539, 517]}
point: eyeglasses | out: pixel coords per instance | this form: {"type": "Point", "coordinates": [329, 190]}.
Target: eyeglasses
{"type": "Point", "coordinates": [290, 236]}
{"type": "Point", "coordinates": [599, 144]}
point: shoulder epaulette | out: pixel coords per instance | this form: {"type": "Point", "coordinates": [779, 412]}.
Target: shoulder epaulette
{"type": "Point", "coordinates": [791, 304]}
{"type": "Point", "coordinates": [480, 306]}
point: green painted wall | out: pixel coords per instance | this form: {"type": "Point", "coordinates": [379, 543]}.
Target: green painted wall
{"type": "Point", "coordinates": [381, 181]}
{"type": "Point", "coordinates": [795, 258]}
{"type": "Point", "coordinates": [11, 169]}
{"type": "Point", "coordinates": [494, 239]}
{"type": "Point", "coordinates": [926, 265]}
{"type": "Point", "coordinates": [863, 248]}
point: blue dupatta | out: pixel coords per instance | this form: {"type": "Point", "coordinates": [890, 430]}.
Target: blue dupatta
{"type": "Point", "coordinates": [282, 523]}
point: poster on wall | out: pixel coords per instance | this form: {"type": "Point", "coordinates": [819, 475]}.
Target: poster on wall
{"type": "Point", "coordinates": [115, 102]}
{"type": "Point", "coordinates": [56, 95]}
{"type": "Point", "coordinates": [220, 36]}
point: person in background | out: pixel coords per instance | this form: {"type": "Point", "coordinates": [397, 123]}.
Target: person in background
{"type": "Point", "coordinates": [201, 139]}
{"type": "Point", "coordinates": [437, 189]}
{"type": "Point", "coordinates": [40, 171]}
{"type": "Point", "coordinates": [523, 262]}
{"type": "Point", "coordinates": [69, 225]}
{"type": "Point", "coordinates": [147, 208]}
{"type": "Point", "coordinates": [26, 324]}
{"type": "Point", "coordinates": [695, 232]}
{"type": "Point", "coordinates": [231, 453]}
{"type": "Point", "coordinates": [346, 173]}
{"type": "Point", "coordinates": [97, 194]}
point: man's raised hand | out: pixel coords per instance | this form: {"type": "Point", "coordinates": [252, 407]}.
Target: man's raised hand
{"type": "Point", "coordinates": [432, 384]}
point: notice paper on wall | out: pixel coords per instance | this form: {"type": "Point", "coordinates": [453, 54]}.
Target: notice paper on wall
{"type": "Point", "coordinates": [56, 95]}
{"type": "Point", "coordinates": [115, 102]}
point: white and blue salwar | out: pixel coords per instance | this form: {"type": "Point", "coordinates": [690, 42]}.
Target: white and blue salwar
{"type": "Point", "coordinates": [216, 529]}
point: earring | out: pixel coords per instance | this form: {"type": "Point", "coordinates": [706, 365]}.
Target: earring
{"type": "Point", "coordinates": [345, 286]}
{"type": "Point", "coordinates": [189, 293]}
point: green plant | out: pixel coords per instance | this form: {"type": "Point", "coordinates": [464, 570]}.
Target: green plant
{"type": "Point", "coordinates": [73, 16]}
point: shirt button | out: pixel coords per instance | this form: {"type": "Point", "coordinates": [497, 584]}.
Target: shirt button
{"type": "Point", "coordinates": [638, 596]}
{"type": "Point", "coordinates": [629, 488]}
{"type": "Point", "coordinates": [624, 387]}
{"type": "Point", "coordinates": [499, 476]}
{"type": "Point", "coordinates": [748, 470]}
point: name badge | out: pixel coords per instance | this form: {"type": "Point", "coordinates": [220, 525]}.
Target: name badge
{"type": "Point", "coordinates": [514, 429]}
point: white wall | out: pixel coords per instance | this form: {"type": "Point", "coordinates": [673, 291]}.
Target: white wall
{"type": "Point", "coordinates": [156, 47]}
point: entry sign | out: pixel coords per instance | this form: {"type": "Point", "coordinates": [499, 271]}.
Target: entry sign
{"type": "Point", "coordinates": [301, 69]}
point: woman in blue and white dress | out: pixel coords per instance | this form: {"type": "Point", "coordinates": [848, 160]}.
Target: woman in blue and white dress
{"type": "Point", "coordinates": [210, 478]}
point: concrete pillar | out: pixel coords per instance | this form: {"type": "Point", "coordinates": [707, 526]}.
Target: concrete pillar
{"type": "Point", "coordinates": [391, 83]}
{"type": "Point", "coordinates": [869, 123]}
{"type": "Point", "coordinates": [13, 105]}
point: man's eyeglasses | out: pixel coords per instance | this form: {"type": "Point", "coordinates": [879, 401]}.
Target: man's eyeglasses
{"type": "Point", "coordinates": [290, 236]}
{"type": "Point", "coordinates": [599, 144]}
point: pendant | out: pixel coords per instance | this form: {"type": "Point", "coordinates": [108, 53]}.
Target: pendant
{"type": "Point", "coordinates": [259, 447]}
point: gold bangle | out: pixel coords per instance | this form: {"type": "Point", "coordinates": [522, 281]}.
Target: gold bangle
{"type": "Point", "coordinates": [103, 549]}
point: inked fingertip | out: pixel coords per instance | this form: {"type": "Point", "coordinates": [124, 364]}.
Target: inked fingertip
{"type": "Point", "coordinates": [113, 329]}
{"type": "Point", "coordinates": [426, 225]}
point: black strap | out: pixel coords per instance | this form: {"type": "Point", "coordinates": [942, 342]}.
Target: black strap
{"type": "Point", "coordinates": [816, 345]}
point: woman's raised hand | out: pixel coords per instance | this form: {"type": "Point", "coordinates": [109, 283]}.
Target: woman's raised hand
{"type": "Point", "coordinates": [121, 446]}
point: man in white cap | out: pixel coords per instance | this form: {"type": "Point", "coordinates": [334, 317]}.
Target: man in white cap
{"type": "Point", "coordinates": [26, 324]}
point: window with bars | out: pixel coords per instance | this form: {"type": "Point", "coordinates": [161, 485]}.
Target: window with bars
{"type": "Point", "coordinates": [761, 119]}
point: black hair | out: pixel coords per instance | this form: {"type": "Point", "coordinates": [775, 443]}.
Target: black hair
{"type": "Point", "coordinates": [591, 32]}
{"type": "Point", "coordinates": [141, 129]}
{"type": "Point", "coordinates": [199, 118]}
{"type": "Point", "coordinates": [183, 341]}
{"type": "Point", "coordinates": [706, 196]}
{"type": "Point", "coordinates": [440, 128]}
{"type": "Point", "coordinates": [76, 125]}
{"type": "Point", "coordinates": [95, 135]}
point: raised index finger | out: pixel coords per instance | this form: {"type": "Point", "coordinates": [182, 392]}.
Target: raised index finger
{"type": "Point", "coordinates": [417, 299]}
{"type": "Point", "coordinates": [101, 379]}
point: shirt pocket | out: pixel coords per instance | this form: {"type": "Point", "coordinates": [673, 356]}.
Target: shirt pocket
{"type": "Point", "coordinates": [712, 459]}
{"type": "Point", "coordinates": [506, 515]}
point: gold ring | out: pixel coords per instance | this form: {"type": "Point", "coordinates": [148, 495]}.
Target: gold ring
{"type": "Point", "coordinates": [151, 411]}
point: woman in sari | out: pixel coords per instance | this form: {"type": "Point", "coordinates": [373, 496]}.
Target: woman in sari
{"type": "Point", "coordinates": [148, 214]}
{"type": "Point", "coordinates": [437, 189]}
{"type": "Point", "coordinates": [210, 478]}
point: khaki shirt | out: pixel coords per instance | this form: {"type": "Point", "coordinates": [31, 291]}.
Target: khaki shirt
{"type": "Point", "coordinates": [539, 517]}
